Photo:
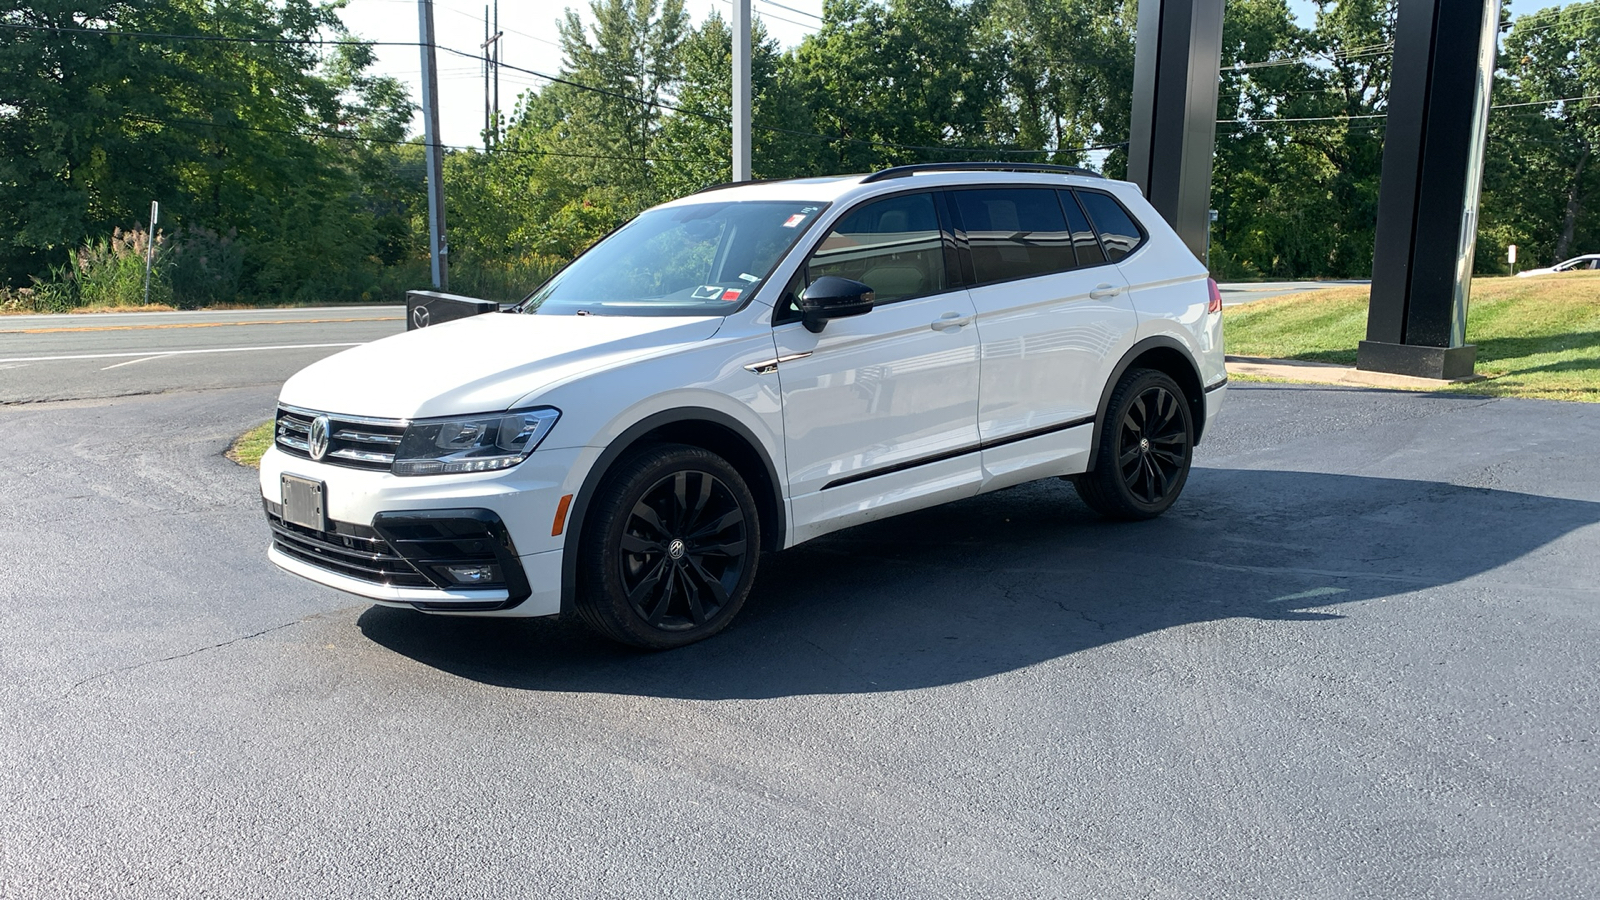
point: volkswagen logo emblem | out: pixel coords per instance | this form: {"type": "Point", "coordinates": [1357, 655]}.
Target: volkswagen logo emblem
{"type": "Point", "coordinates": [419, 317]}
{"type": "Point", "coordinates": [676, 548]}
{"type": "Point", "coordinates": [317, 440]}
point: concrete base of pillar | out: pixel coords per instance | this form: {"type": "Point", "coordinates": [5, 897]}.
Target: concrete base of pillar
{"type": "Point", "coordinates": [1447, 363]}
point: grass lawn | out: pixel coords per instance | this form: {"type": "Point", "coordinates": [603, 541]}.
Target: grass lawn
{"type": "Point", "coordinates": [249, 448]}
{"type": "Point", "coordinates": [1536, 337]}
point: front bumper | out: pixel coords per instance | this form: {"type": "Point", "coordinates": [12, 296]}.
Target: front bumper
{"type": "Point", "coordinates": [362, 506]}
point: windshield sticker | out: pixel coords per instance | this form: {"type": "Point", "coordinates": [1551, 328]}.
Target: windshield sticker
{"type": "Point", "coordinates": [746, 276]}
{"type": "Point", "coordinates": [731, 294]}
{"type": "Point", "coordinates": [706, 292]}
{"type": "Point", "coordinates": [795, 220]}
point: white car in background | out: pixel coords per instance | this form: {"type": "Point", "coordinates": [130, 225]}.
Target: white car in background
{"type": "Point", "coordinates": [1576, 264]}
{"type": "Point", "coordinates": [742, 370]}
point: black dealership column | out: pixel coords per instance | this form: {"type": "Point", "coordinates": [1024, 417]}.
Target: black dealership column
{"type": "Point", "coordinates": [1428, 201]}
{"type": "Point", "coordinates": [1177, 60]}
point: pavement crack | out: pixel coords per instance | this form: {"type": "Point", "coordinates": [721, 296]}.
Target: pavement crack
{"type": "Point", "coordinates": [151, 662]}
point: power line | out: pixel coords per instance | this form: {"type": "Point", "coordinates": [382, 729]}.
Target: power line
{"type": "Point", "coordinates": [1498, 106]}
{"type": "Point", "coordinates": [218, 38]}
{"type": "Point", "coordinates": [792, 9]}
{"type": "Point", "coordinates": [358, 139]}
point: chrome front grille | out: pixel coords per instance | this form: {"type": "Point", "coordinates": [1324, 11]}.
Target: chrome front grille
{"type": "Point", "coordinates": [354, 441]}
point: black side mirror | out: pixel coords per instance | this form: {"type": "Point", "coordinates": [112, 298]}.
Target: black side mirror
{"type": "Point", "coordinates": [832, 297]}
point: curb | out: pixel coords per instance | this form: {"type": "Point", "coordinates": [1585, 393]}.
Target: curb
{"type": "Point", "coordinates": [1332, 373]}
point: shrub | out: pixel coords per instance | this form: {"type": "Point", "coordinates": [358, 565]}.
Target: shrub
{"type": "Point", "coordinates": [205, 268]}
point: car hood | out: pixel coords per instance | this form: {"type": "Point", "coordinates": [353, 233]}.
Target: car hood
{"type": "Point", "coordinates": [480, 364]}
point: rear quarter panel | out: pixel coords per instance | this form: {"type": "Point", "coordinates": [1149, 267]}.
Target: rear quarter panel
{"type": "Point", "coordinates": [1168, 287]}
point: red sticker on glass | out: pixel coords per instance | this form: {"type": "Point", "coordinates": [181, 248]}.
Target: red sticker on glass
{"type": "Point", "coordinates": [731, 294]}
{"type": "Point", "coordinates": [794, 220]}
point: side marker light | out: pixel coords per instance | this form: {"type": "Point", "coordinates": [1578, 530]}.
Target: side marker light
{"type": "Point", "coordinates": [560, 523]}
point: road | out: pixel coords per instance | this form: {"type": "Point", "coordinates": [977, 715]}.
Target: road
{"type": "Point", "coordinates": [1359, 658]}
{"type": "Point", "coordinates": [1249, 292]}
{"type": "Point", "coordinates": [117, 354]}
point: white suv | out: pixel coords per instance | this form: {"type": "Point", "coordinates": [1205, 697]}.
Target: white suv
{"type": "Point", "coordinates": [748, 368]}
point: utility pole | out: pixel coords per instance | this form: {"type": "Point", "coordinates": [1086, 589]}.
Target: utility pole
{"type": "Point", "coordinates": [497, 37]}
{"type": "Point", "coordinates": [486, 66]}
{"type": "Point", "coordinates": [741, 90]}
{"type": "Point", "coordinates": [491, 64]}
{"type": "Point", "coordinates": [438, 249]}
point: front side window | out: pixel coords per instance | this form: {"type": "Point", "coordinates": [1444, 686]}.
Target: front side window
{"type": "Point", "coordinates": [700, 260]}
{"type": "Point", "coordinates": [1015, 233]}
{"type": "Point", "coordinates": [1118, 233]}
{"type": "Point", "coordinates": [893, 246]}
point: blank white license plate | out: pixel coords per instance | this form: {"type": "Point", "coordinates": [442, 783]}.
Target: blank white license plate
{"type": "Point", "coordinates": [305, 502]}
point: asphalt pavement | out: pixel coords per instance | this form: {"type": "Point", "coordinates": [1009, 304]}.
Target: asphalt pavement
{"type": "Point", "coordinates": [119, 354]}
{"type": "Point", "coordinates": [1358, 659]}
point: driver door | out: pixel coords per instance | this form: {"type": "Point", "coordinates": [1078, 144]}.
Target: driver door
{"type": "Point", "coordinates": [880, 410]}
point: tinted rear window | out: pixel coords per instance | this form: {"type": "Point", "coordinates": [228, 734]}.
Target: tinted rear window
{"type": "Point", "coordinates": [1117, 232]}
{"type": "Point", "coordinates": [1014, 233]}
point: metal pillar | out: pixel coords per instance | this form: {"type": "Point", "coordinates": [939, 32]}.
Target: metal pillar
{"type": "Point", "coordinates": [741, 90]}
{"type": "Point", "coordinates": [1428, 202]}
{"type": "Point", "coordinates": [1176, 71]}
{"type": "Point", "coordinates": [438, 249]}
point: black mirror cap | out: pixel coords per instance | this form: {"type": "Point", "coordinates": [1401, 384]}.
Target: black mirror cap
{"type": "Point", "coordinates": [832, 297]}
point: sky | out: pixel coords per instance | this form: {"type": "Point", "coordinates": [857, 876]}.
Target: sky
{"type": "Point", "coordinates": [530, 42]}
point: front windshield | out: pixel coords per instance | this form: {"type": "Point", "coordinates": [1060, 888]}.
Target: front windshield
{"type": "Point", "coordinates": [700, 260]}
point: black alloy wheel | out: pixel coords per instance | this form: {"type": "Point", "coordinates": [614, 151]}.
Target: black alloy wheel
{"type": "Point", "coordinates": [1145, 449]}
{"type": "Point", "coordinates": [670, 553]}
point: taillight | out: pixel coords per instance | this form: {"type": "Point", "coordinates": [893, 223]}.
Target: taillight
{"type": "Point", "coordinates": [1216, 296]}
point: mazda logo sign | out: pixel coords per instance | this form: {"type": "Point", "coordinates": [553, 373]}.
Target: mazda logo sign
{"type": "Point", "coordinates": [419, 317]}
{"type": "Point", "coordinates": [317, 441]}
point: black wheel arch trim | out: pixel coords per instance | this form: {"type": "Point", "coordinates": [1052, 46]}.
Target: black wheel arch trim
{"type": "Point", "coordinates": [629, 439]}
{"type": "Point", "coordinates": [1155, 342]}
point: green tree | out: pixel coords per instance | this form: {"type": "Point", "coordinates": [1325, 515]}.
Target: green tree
{"type": "Point", "coordinates": [695, 147]}
{"type": "Point", "coordinates": [1542, 183]}
{"type": "Point", "coordinates": [262, 140]}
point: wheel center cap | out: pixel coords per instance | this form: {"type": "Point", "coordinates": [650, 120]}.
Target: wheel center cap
{"type": "Point", "coordinates": [675, 548]}
{"type": "Point", "coordinates": [1144, 444]}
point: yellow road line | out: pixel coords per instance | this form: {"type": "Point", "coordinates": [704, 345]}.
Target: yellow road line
{"type": "Point", "coordinates": [198, 325]}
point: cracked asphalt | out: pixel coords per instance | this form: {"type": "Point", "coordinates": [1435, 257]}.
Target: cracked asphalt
{"type": "Point", "coordinates": [1358, 659]}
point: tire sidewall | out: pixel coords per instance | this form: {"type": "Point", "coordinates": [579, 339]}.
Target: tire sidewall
{"type": "Point", "coordinates": [1140, 381]}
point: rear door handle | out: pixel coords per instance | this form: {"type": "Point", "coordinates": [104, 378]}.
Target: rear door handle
{"type": "Point", "coordinates": [950, 321]}
{"type": "Point", "coordinates": [1104, 291]}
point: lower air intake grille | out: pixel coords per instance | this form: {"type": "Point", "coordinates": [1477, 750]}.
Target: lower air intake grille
{"type": "Point", "coordinates": [352, 550]}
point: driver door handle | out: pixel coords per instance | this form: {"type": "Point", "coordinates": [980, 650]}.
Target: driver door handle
{"type": "Point", "coordinates": [1104, 291]}
{"type": "Point", "coordinates": [950, 321]}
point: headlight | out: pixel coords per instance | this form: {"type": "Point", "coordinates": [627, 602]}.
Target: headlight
{"type": "Point", "coordinates": [472, 443]}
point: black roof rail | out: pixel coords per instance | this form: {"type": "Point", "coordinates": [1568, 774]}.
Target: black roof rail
{"type": "Point", "coordinates": [914, 168]}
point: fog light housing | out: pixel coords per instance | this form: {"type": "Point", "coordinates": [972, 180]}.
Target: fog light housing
{"type": "Point", "coordinates": [471, 574]}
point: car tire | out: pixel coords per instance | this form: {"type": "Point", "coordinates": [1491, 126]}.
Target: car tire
{"type": "Point", "coordinates": [1144, 449]}
{"type": "Point", "coordinates": [669, 548]}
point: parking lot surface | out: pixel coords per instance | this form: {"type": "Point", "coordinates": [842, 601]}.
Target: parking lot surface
{"type": "Point", "coordinates": [1358, 659]}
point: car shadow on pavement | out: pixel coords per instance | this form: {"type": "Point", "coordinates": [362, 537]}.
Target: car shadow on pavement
{"type": "Point", "coordinates": [1007, 580]}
